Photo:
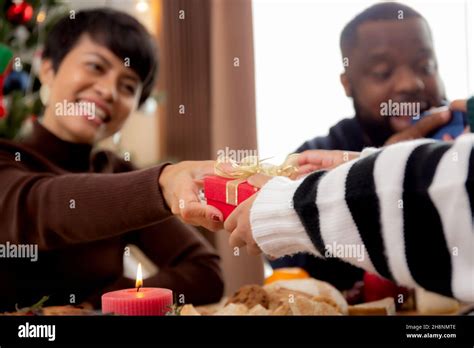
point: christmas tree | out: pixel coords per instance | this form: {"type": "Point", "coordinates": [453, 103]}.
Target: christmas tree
{"type": "Point", "coordinates": [24, 25]}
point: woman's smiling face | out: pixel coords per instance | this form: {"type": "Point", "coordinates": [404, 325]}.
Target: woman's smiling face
{"type": "Point", "coordinates": [92, 93]}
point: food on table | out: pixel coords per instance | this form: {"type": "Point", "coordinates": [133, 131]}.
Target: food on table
{"type": "Point", "coordinates": [304, 306]}
{"type": "Point", "coordinates": [38, 309]}
{"type": "Point", "coordinates": [306, 296]}
{"type": "Point", "coordinates": [385, 306]}
{"type": "Point", "coordinates": [251, 295]}
{"type": "Point", "coordinates": [189, 310]}
{"type": "Point", "coordinates": [55, 310]}
{"type": "Point", "coordinates": [283, 309]}
{"type": "Point", "coordinates": [430, 303]}
{"type": "Point", "coordinates": [315, 288]}
{"type": "Point", "coordinates": [287, 274]}
{"type": "Point", "coordinates": [285, 297]}
{"type": "Point", "coordinates": [258, 310]}
{"type": "Point", "coordinates": [233, 309]}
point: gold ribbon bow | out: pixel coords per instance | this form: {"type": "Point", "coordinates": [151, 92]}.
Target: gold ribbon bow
{"type": "Point", "coordinates": [251, 165]}
{"type": "Point", "coordinates": [247, 167]}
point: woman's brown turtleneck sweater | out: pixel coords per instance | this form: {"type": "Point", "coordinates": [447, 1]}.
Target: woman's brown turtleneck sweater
{"type": "Point", "coordinates": [81, 209]}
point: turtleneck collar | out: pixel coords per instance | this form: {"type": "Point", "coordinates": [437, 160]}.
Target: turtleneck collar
{"type": "Point", "coordinates": [69, 156]}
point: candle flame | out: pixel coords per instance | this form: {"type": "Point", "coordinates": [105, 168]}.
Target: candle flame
{"type": "Point", "coordinates": [139, 280]}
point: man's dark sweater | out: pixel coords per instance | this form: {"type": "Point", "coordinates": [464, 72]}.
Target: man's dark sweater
{"type": "Point", "coordinates": [345, 135]}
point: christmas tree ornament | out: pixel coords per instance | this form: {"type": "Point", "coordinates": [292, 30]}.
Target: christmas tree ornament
{"type": "Point", "coordinates": [24, 25]}
{"type": "Point", "coordinates": [16, 81]}
{"type": "Point", "coordinates": [36, 62]}
{"type": "Point", "coordinates": [2, 106]}
{"type": "Point", "coordinates": [41, 16]}
{"type": "Point", "coordinates": [19, 12]}
{"type": "Point", "coordinates": [6, 56]}
{"type": "Point", "coordinates": [21, 34]}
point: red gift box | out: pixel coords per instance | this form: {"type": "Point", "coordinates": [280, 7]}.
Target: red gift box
{"type": "Point", "coordinates": [225, 194]}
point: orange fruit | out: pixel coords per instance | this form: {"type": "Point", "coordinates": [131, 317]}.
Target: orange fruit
{"type": "Point", "coordinates": [287, 274]}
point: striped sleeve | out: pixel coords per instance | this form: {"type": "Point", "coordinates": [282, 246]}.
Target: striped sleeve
{"type": "Point", "coordinates": [404, 212]}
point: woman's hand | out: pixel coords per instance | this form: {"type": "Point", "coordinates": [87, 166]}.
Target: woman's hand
{"type": "Point", "coordinates": [180, 184]}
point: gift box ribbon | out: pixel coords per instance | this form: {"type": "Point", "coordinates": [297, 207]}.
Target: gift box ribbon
{"type": "Point", "coordinates": [232, 191]}
{"type": "Point", "coordinates": [251, 165]}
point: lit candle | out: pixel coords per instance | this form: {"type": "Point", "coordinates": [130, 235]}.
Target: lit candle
{"type": "Point", "coordinates": [138, 301]}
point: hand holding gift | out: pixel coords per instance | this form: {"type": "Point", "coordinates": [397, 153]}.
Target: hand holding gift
{"type": "Point", "coordinates": [238, 223]}
{"type": "Point", "coordinates": [180, 184]}
{"type": "Point", "coordinates": [229, 187]}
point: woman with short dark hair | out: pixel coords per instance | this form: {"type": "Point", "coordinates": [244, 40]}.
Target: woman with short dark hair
{"type": "Point", "coordinates": [82, 207]}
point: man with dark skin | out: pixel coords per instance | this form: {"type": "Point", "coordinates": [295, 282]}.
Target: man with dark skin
{"type": "Point", "coordinates": [391, 60]}
{"type": "Point", "coordinates": [388, 54]}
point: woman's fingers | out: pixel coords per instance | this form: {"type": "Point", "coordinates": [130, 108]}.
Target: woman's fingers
{"type": "Point", "coordinates": [180, 184]}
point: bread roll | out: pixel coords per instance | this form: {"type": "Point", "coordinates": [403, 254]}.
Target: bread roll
{"type": "Point", "coordinates": [385, 306]}
{"type": "Point", "coordinates": [312, 288]}
{"type": "Point", "coordinates": [189, 310]}
{"type": "Point", "coordinates": [304, 306]}
{"type": "Point", "coordinates": [258, 310]}
{"type": "Point", "coordinates": [431, 303]}
{"type": "Point", "coordinates": [233, 309]}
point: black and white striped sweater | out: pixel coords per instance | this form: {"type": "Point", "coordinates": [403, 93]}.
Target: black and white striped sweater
{"type": "Point", "coordinates": [404, 212]}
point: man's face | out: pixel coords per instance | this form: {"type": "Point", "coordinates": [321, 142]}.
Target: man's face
{"type": "Point", "coordinates": [392, 60]}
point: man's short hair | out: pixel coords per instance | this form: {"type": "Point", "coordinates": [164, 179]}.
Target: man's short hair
{"type": "Point", "coordinates": [378, 12]}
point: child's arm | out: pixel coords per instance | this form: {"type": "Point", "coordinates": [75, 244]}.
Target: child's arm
{"type": "Point", "coordinates": [404, 212]}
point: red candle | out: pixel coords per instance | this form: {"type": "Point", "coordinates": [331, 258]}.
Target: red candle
{"type": "Point", "coordinates": [138, 301]}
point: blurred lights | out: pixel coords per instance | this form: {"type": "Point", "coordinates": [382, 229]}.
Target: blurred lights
{"type": "Point", "coordinates": [41, 16]}
{"type": "Point", "coordinates": [142, 5]}
{"type": "Point", "coordinates": [150, 106]}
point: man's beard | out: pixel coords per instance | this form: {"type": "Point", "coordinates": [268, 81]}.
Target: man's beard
{"type": "Point", "coordinates": [376, 131]}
